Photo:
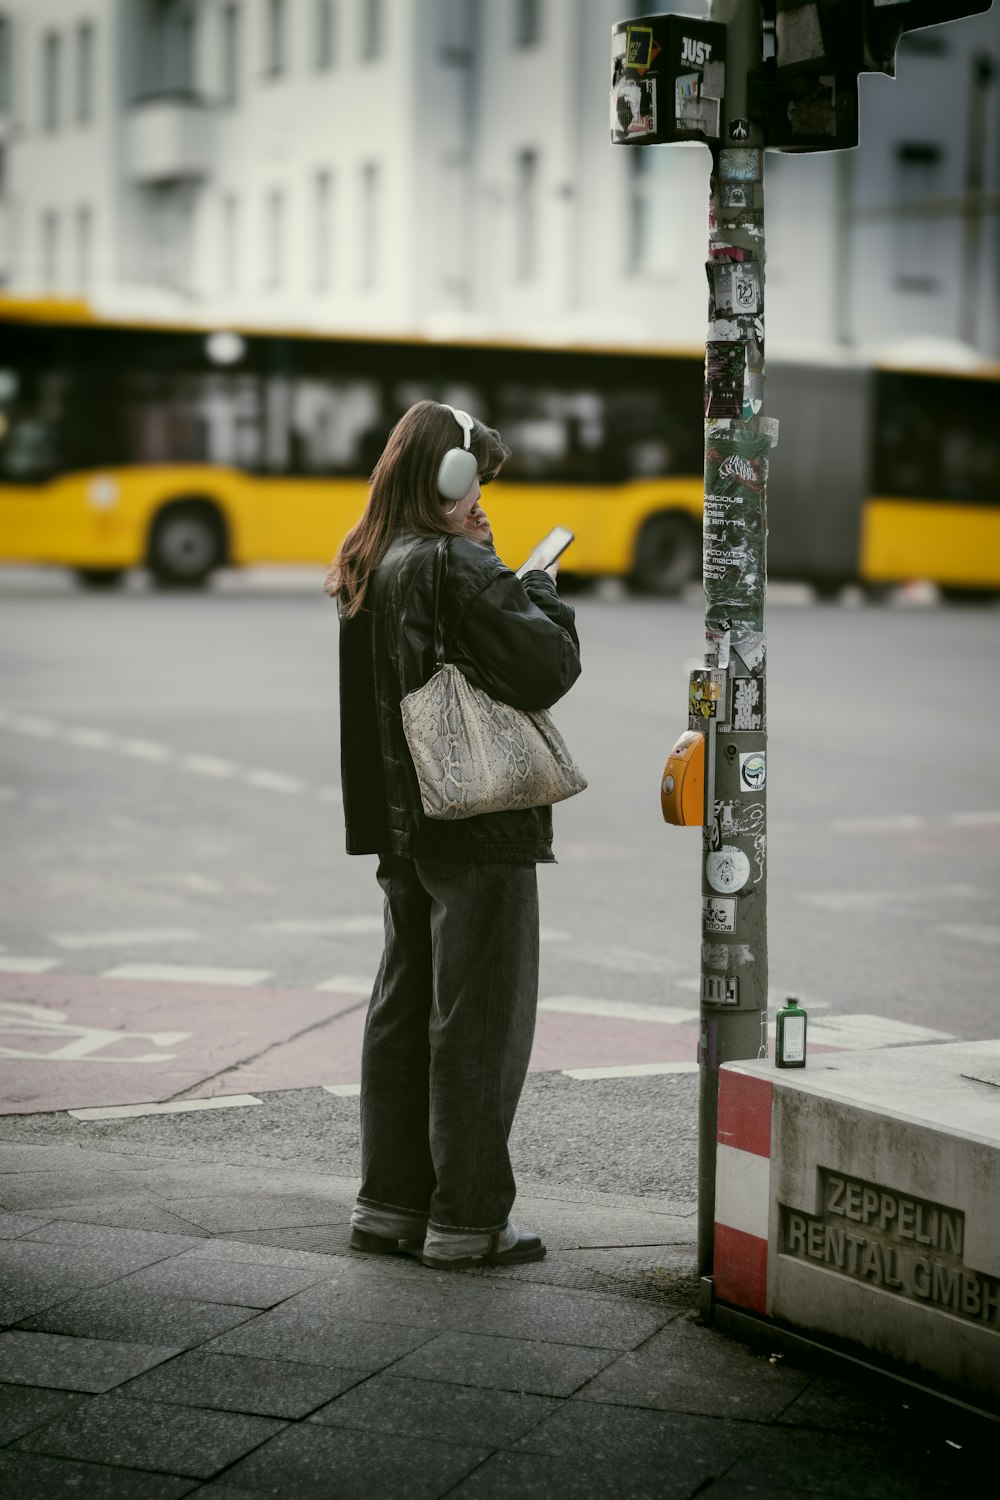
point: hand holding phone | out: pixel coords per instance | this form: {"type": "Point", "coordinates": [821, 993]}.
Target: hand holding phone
{"type": "Point", "coordinates": [547, 550]}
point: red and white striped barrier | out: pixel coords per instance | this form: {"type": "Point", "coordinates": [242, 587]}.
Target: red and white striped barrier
{"type": "Point", "coordinates": [743, 1189]}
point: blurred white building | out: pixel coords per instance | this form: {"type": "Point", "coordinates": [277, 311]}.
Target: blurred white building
{"type": "Point", "coordinates": [444, 166]}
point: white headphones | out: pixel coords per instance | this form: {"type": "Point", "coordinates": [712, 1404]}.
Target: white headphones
{"type": "Point", "coordinates": [459, 466]}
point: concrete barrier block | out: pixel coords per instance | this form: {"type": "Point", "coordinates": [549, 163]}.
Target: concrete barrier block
{"type": "Point", "coordinates": [858, 1200]}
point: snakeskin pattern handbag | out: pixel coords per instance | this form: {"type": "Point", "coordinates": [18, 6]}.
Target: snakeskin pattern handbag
{"type": "Point", "coordinates": [475, 755]}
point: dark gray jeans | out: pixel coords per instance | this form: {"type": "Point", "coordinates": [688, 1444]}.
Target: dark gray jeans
{"type": "Point", "coordinates": [447, 1041]}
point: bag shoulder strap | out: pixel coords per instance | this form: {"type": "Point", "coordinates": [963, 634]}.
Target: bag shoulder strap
{"type": "Point", "coordinates": [440, 570]}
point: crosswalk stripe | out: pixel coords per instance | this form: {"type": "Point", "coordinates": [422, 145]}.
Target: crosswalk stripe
{"type": "Point", "coordinates": [631, 1070]}
{"type": "Point", "coordinates": [187, 974]}
{"type": "Point", "coordinates": [11, 963]}
{"type": "Point", "coordinates": [141, 935]}
{"type": "Point", "coordinates": [622, 1010]}
{"type": "Point", "coordinates": [176, 1107]}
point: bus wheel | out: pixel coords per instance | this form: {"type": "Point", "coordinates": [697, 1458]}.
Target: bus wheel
{"type": "Point", "coordinates": [100, 578]}
{"type": "Point", "coordinates": [667, 556]}
{"type": "Point", "coordinates": [186, 543]}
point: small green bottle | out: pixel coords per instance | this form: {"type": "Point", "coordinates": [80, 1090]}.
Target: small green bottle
{"type": "Point", "coordinates": [790, 1040]}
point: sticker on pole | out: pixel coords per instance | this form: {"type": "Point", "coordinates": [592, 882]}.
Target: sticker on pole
{"type": "Point", "coordinates": [718, 913]}
{"type": "Point", "coordinates": [753, 771]}
{"type": "Point", "coordinates": [727, 869]}
{"type": "Point", "coordinates": [717, 989]}
{"type": "Point", "coordinates": [739, 130]}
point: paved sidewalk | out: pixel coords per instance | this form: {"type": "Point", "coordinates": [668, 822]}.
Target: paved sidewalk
{"type": "Point", "coordinates": [177, 1326]}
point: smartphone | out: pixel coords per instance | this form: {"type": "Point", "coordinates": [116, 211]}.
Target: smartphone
{"type": "Point", "coordinates": [548, 549]}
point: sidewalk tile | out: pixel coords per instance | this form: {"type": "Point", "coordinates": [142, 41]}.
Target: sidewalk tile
{"type": "Point", "coordinates": [12, 1226]}
{"type": "Point", "coordinates": [509, 1364]}
{"type": "Point", "coordinates": [25, 1407]}
{"type": "Point", "coordinates": [230, 1382]}
{"type": "Point", "coordinates": [237, 1284]}
{"type": "Point", "coordinates": [691, 1449]}
{"type": "Point", "coordinates": [24, 1476]}
{"type": "Point", "coordinates": [342, 1342]}
{"type": "Point", "coordinates": [151, 1435]}
{"type": "Point", "coordinates": [462, 1304]}
{"type": "Point", "coordinates": [137, 1211]}
{"type": "Point", "coordinates": [140, 1318]}
{"type": "Point", "coordinates": [66, 1232]}
{"type": "Point", "coordinates": [432, 1409]}
{"type": "Point", "coordinates": [75, 1184]}
{"type": "Point", "coordinates": [308, 1461]}
{"type": "Point", "coordinates": [692, 1369]}
{"type": "Point", "coordinates": [537, 1476]}
{"type": "Point", "coordinates": [835, 1463]}
{"type": "Point", "coordinates": [861, 1407]}
{"type": "Point", "coordinates": [242, 1252]}
{"type": "Point", "coordinates": [28, 1264]}
{"type": "Point", "coordinates": [74, 1364]}
{"type": "Point", "coordinates": [256, 1210]}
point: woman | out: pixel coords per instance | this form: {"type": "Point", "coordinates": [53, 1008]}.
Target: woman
{"type": "Point", "coordinates": [452, 1015]}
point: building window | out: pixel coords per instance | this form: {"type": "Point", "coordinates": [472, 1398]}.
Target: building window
{"type": "Point", "coordinates": [918, 234]}
{"type": "Point", "coordinates": [230, 54]}
{"type": "Point", "coordinates": [323, 232]}
{"type": "Point", "coordinates": [527, 22]}
{"type": "Point", "coordinates": [652, 220]}
{"type": "Point", "coordinates": [230, 244]}
{"type": "Point", "coordinates": [5, 97]}
{"type": "Point", "coordinates": [84, 72]}
{"type": "Point", "coordinates": [526, 215]}
{"type": "Point", "coordinates": [371, 28]}
{"type": "Point", "coordinates": [50, 249]}
{"type": "Point", "coordinates": [51, 61]}
{"type": "Point", "coordinates": [275, 238]}
{"type": "Point", "coordinates": [324, 40]}
{"type": "Point", "coordinates": [277, 16]}
{"type": "Point", "coordinates": [371, 206]}
{"type": "Point", "coordinates": [84, 247]}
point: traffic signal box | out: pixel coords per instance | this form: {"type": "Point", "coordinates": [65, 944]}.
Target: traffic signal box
{"type": "Point", "coordinates": [668, 72]}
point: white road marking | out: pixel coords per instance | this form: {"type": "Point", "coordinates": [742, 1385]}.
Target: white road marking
{"type": "Point", "coordinates": [626, 960]}
{"type": "Point", "coordinates": [208, 765]}
{"type": "Point", "coordinates": [274, 781]}
{"type": "Point", "coordinates": [179, 1107]}
{"type": "Point", "coordinates": [342, 1090]}
{"type": "Point", "coordinates": [187, 974]}
{"type": "Point", "coordinates": [897, 823]}
{"type": "Point", "coordinates": [122, 938]}
{"type": "Point", "coordinates": [330, 794]}
{"type": "Point", "coordinates": [348, 984]}
{"type": "Point", "coordinates": [621, 1010]}
{"type": "Point", "coordinates": [324, 926]}
{"type": "Point", "coordinates": [146, 750]}
{"type": "Point", "coordinates": [11, 964]}
{"type": "Point", "coordinates": [89, 739]}
{"type": "Point", "coordinates": [29, 724]}
{"type": "Point", "coordinates": [974, 820]}
{"type": "Point", "coordinates": [81, 1042]}
{"type": "Point", "coordinates": [631, 1070]}
{"type": "Point", "coordinates": [202, 885]}
{"type": "Point", "coordinates": [855, 1032]}
{"type": "Point", "coordinates": [553, 935]}
{"type": "Point", "coordinates": [968, 933]}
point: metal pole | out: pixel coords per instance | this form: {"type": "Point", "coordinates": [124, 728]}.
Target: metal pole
{"type": "Point", "coordinates": [728, 697]}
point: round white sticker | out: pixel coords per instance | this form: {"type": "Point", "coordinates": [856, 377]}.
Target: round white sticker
{"type": "Point", "coordinates": [727, 869]}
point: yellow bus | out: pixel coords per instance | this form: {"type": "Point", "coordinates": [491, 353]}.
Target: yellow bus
{"type": "Point", "coordinates": [184, 449]}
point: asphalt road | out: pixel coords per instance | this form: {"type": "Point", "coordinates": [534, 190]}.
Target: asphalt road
{"type": "Point", "coordinates": [169, 797]}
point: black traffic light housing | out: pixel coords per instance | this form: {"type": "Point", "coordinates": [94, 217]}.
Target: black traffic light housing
{"type": "Point", "coordinates": [808, 93]}
{"type": "Point", "coordinates": [668, 80]}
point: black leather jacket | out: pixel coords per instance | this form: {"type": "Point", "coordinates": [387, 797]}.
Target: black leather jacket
{"type": "Point", "coordinates": [513, 637]}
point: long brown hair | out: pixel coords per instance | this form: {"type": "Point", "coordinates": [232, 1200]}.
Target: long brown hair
{"type": "Point", "coordinates": [404, 492]}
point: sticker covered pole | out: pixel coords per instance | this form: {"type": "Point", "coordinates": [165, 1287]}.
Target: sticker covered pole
{"type": "Point", "coordinates": [679, 79]}
{"type": "Point", "coordinates": [730, 695]}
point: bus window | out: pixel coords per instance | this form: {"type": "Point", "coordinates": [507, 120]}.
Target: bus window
{"type": "Point", "coordinates": [935, 438]}
{"type": "Point", "coordinates": [554, 435]}
{"type": "Point", "coordinates": [330, 426]}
